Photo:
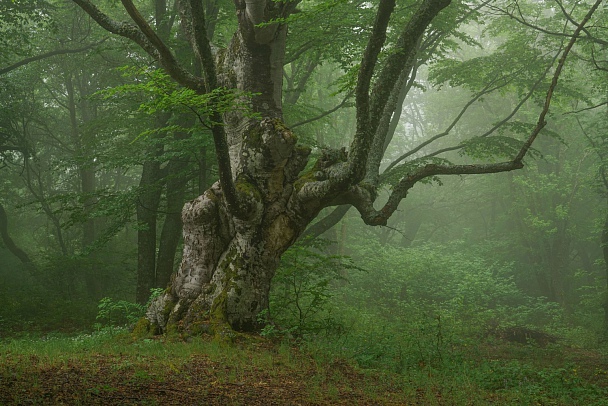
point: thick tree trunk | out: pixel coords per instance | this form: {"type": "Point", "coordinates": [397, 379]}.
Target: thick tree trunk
{"type": "Point", "coordinates": [228, 263]}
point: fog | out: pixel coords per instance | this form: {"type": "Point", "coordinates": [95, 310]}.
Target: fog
{"type": "Point", "coordinates": [297, 214]}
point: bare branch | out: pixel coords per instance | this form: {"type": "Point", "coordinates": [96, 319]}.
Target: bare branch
{"type": "Point", "coordinates": [156, 49]}
{"type": "Point", "coordinates": [47, 55]}
{"type": "Point", "coordinates": [369, 111]}
{"type": "Point", "coordinates": [298, 52]}
{"type": "Point", "coordinates": [486, 90]}
{"type": "Point", "coordinates": [572, 21]}
{"type": "Point", "coordinates": [325, 113]}
{"type": "Point", "coordinates": [595, 62]}
{"type": "Point", "coordinates": [560, 65]}
{"type": "Point", "coordinates": [362, 198]}
{"type": "Point", "coordinates": [495, 127]}
{"type": "Point", "coordinates": [587, 108]}
{"type": "Point", "coordinates": [523, 21]}
{"type": "Point", "coordinates": [310, 64]}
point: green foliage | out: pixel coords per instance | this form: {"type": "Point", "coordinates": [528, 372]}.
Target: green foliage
{"type": "Point", "coordinates": [161, 94]}
{"type": "Point", "coordinates": [19, 21]}
{"type": "Point", "coordinates": [58, 293]}
{"type": "Point", "coordinates": [539, 384]}
{"type": "Point", "coordinates": [119, 313]}
{"type": "Point", "coordinates": [114, 313]}
{"type": "Point", "coordinates": [301, 289]}
{"type": "Point", "coordinates": [418, 304]}
{"type": "Point", "coordinates": [486, 147]}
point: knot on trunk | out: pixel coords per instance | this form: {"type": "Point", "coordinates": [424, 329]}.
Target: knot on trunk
{"type": "Point", "coordinates": [267, 151]}
{"type": "Point", "coordinates": [266, 145]}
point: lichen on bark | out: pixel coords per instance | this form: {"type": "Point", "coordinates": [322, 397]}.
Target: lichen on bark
{"type": "Point", "coordinates": [228, 263]}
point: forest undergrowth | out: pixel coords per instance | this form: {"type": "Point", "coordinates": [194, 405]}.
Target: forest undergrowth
{"type": "Point", "coordinates": [109, 367]}
{"type": "Point", "coordinates": [438, 326]}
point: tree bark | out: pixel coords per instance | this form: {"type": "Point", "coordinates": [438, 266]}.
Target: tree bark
{"type": "Point", "coordinates": [147, 203]}
{"type": "Point", "coordinates": [8, 241]}
{"type": "Point", "coordinates": [172, 225]}
{"type": "Point", "coordinates": [78, 94]}
{"type": "Point", "coordinates": [228, 263]}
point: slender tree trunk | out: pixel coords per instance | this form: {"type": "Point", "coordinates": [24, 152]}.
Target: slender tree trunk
{"type": "Point", "coordinates": [605, 254]}
{"type": "Point", "coordinates": [86, 172]}
{"type": "Point", "coordinates": [203, 169]}
{"type": "Point", "coordinates": [412, 226]}
{"type": "Point", "coordinates": [148, 201]}
{"type": "Point", "coordinates": [147, 212]}
{"type": "Point", "coordinates": [558, 264]}
{"type": "Point", "coordinates": [151, 272]}
{"type": "Point", "coordinates": [172, 225]}
{"type": "Point", "coordinates": [34, 182]}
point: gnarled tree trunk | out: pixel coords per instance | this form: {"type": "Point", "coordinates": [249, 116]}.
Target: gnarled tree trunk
{"type": "Point", "coordinates": [235, 233]}
{"type": "Point", "coordinates": [228, 263]}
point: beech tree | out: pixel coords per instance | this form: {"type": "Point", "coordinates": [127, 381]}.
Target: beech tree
{"type": "Point", "coordinates": [270, 188]}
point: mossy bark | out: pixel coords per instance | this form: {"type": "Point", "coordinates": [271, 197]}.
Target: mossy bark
{"type": "Point", "coordinates": [228, 263]}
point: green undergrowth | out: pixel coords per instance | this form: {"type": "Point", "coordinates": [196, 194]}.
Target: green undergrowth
{"type": "Point", "coordinates": [426, 328]}
{"type": "Point", "coordinates": [110, 367]}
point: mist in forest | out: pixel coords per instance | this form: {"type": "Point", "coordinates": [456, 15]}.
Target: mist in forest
{"type": "Point", "coordinates": [319, 202]}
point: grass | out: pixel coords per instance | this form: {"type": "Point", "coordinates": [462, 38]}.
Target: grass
{"type": "Point", "coordinates": [110, 368]}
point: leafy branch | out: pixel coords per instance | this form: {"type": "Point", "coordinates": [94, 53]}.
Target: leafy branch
{"type": "Point", "coordinates": [363, 199]}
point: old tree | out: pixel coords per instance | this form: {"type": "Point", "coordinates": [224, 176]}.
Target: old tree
{"type": "Point", "coordinates": [268, 192]}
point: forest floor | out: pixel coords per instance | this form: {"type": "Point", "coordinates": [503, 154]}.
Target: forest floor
{"type": "Point", "coordinates": [88, 370]}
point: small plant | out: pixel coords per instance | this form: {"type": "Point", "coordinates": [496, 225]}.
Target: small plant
{"type": "Point", "coordinates": [119, 313]}
{"type": "Point", "coordinates": [116, 313]}
{"type": "Point", "coordinates": [301, 289]}
{"type": "Point", "coordinates": [154, 293]}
